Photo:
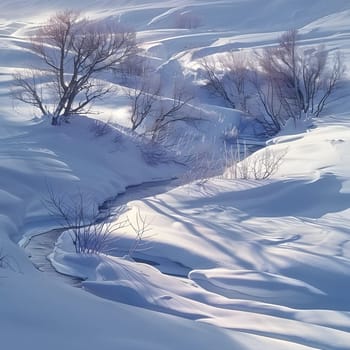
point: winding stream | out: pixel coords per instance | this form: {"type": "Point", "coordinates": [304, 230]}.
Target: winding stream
{"type": "Point", "coordinates": [40, 246]}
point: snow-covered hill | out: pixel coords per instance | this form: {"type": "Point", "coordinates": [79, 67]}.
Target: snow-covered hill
{"type": "Point", "coordinates": [258, 263]}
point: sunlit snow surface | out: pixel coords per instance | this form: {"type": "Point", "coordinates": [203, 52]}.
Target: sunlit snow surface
{"type": "Point", "coordinates": [265, 263]}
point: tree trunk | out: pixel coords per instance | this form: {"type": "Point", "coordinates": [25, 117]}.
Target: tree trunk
{"type": "Point", "coordinates": [54, 120]}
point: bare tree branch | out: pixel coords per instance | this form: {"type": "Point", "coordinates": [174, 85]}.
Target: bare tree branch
{"type": "Point", "coordinates": [143, 100]}
{"type": "Point", "coordinates": [168, 112]}
{"type": "Point", "coordinates": [148, 104]}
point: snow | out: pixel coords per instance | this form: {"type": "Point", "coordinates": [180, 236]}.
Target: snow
{"type": "Point", "coordinates": [237, 264]}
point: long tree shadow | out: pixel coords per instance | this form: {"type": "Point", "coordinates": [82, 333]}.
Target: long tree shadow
{"type": "Point", "coordinates": [224, 242]}
{"type": "Point", "coordinates": [291, 197]}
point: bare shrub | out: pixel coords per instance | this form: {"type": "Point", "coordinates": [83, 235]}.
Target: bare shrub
{"type": "Point", "coordinates": [140, 226]}
{"type": "Point", "coordinates": [294, 82]}
{"type": "Point", "coordinates": [95, 232]}
{"type": "Point", "coordinates": [286, 80]}
{"type": "Point", "coordinates": [227, 76]}
{"type": "Point", "coordinates": [90, 233]}
{"type": "Point", "coordinates": [259, 166]}
{"type": "Point", "coordinates": [234, 162]}
{"type": "Point", "coordinates": [73, 51]}
{"type": "Point", "coordinates": [232, 154]}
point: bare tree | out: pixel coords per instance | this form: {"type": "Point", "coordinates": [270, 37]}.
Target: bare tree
{"type": "Point", "coordinates": [74, 50]}
{"type": "Point", "coordinates": [297, 82]}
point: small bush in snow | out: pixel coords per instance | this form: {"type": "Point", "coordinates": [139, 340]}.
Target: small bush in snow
{"type": "Point", "coordinates": [258, 166]}
{"type": "Point", "coordinates": [140, 226]}
{"type": "Point", "coordinates": [235, 162]}
{"type": "Point", "coordinates": [92, 231]}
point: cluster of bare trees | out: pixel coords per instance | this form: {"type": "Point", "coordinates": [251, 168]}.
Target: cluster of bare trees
{"type": "Point", "coordinates": [73, 50]}
{"type": "Point", "coordinates": [276, 84]}
{"type": "Point", "coordinates": [286, 81]}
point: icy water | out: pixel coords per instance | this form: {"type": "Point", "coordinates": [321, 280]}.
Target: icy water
{"type": "Point", "coordinates": [39, 247]}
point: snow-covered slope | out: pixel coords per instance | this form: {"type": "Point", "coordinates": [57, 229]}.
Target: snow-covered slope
{"type": "Point", "coordinates": [266, 264]}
